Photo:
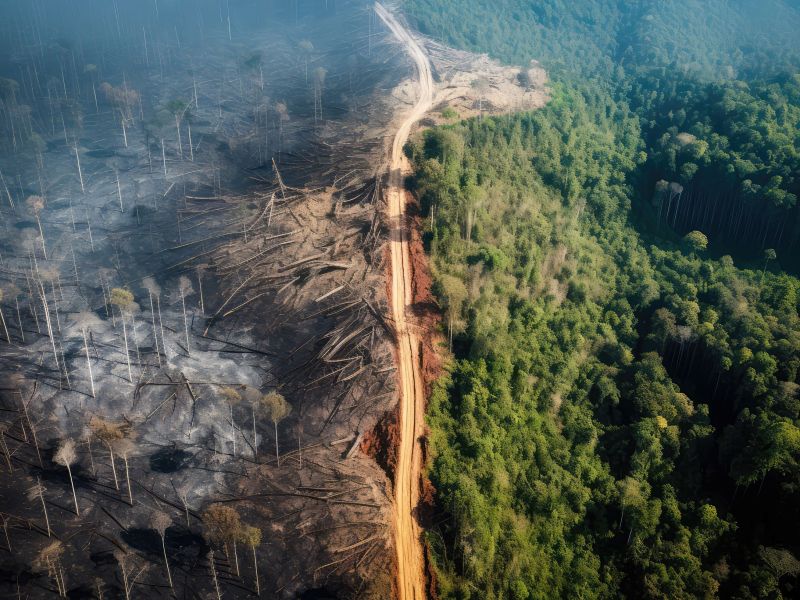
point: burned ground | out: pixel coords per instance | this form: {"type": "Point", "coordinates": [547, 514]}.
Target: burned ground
{"type": "Point", "coordinates": [228, 178]}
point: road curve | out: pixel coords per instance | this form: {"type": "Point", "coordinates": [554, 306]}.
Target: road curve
{"type": "Point", "coordinates": [410, 564]}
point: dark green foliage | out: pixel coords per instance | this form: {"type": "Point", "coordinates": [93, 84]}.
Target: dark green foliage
{"type": "Point", "coordinates": [621, 418]}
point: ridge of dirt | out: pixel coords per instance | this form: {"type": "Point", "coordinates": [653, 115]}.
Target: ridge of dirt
{"type": "Point", "coordinates": [382, 441]}
{"type": "Point", "coordinates": [425, 308]}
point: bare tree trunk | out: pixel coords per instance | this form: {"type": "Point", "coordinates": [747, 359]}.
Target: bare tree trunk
{"type": "Point", "coordinates": [128, 479]}
{"type": "Point", "coordinates": [5, 329]}
{"type": "Point", "coordinates": [62, 583]}
{"type": "Point", "coordinates": [74, 495]}
{"type": "Point", "coordinates": [255, 435]}
{"type": "Point", "coordinates": [113, 467]}
{"type": "Point", "coordinates": [200, 288]}
{"type": "Point", "coordinates": [41, 234]}
{"type": "Point", "coordinates": [125, 586]}
{"type": "Point", "coordinates": [161, 326]}
{"type": "Point", "coordinates": [164, 158]}
{"type": "Point", "coordinates": [6, 452]}
{"type": "Point", "coordinates": [33, 432]}
{"type": "Point", "coordinates": [277, 454]}
{"type": "Point", "coordinates": [214, 574]}
{"type": "Point", "coordinates": [155, 334]}
{"type": "Point", "coordinates": [166, 561]}
{"type": "Point", "coordinates": [185, 323]}
{"type": "Point", "coordinates": [5, 187]}
{"type": "Point", "coordinates": [127, 354]}
{"type": "Point", "coordinates": [255, 568]}
{"type": "Point", "coordinates": [19, 319]}
{"type": "Point", "coordinates": [136, 340]}
{"type": "Point", "coordinates": [119, 194]}
{"type": "Point", "coordinates": [191, 149]}
{"type": "Point", "coordinates": [5, 532]}
{"type": "Point", "coordinates": [50, 329]}
{"type": "Point", "coordinates": [44, 508]}
{"type": "Point", "coordinates": [233, 429]}
{"type": "Point", "coordinates": [88, 360]}
{"type": "Point", "coordinates": [91, 456]}
{"type": "Point", "coordinates": [80, 172]}
{"type": "Point", "coordinates": [178, 129]}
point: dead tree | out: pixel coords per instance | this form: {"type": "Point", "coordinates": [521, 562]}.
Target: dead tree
{"type": "Point", "coordinates": [80, 171]}
{"type": "Point", "coordinates": [185, 288]}
{"type": "Point", "coordinates": [253, 396]}
{"type": "Point", "coordinates": [13, 291]}
{"type": "Point", "coordinates": [200, 270]}
{"type": "Point", "coordinates": [319, 83]}
{"type": "Point", "coordinates": [233, 397]}
{"type": "Point", "coordinates": [36, 204]}
{"type": "Point", "coordinates": [306, 49]}
{"type": "Point", "coordinates": [183, 496]}
{"type": "Point", "coordinates": [154, 291]}
{"type": "Point", "coordinates": [161, 522]}
{"type": "Point", "coordinates": [4, 446]}
{"type": "Point", "coordinates": [109, 434]}
{"type": "Point", "coordinates": [180, 110]}
{"type": "Point", "coordinates": [125, 447]}
{"type": "Point", "coordinates": [87, 436]}
{"type": "Point", "coordinates": [66, 456]}
{"type": "Point", "coordinates": [6, 519]}
{"type": "Point", "coordinates": [130, 574]}
{"type": "Point", "coordinates": [18, 381]}
{"type": "Point", "coordinates": [36, 492]}
{"type": "Point", "coordinates": [123, 99]}
{"type": "Point", "coordinates": [123, 299]}
{"type": "Point", "coordinates": [85, 321]}
{"type": "Point", "coordinates": [213, 568]}
{"type": "Point", "coordinates": [3, 319]}
{"type": "Point", "coordinates": [49, 558]}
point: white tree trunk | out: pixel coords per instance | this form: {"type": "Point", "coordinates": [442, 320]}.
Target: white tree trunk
{"type": "Point", "coordinates": [166, 561]}
{"type": "Point", "coordinates": [74, 495]}
{"type": "Point", "coordinates": [127, 354]}
{"type": "Point", "coordinates": [88, 360]}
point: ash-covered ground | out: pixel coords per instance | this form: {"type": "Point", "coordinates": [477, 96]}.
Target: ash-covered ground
{"type": "Point", "coordinates": [194, 334]}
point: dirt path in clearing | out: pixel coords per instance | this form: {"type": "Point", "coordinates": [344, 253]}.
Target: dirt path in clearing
{"type": "Point", "coordinates": [410, 564]}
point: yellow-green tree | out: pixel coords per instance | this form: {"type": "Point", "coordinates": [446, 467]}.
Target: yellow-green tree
{"type": "Point", "coordinates": [277, 409]}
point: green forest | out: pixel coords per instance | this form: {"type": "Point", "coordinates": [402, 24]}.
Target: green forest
{"type": "Point", "coordinates": [617, 276]}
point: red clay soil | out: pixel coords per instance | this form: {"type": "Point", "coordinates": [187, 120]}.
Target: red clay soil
{"type": "Point", "coordinates": [381, 443]}
{"type": "Point", "coordinates": [427, 315]}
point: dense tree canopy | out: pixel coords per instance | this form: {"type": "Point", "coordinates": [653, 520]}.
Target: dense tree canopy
{"type": "Point", "coordinates": [621, 416]}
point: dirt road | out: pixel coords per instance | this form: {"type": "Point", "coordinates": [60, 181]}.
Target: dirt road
{"type": "Point", "coordinates": [410, 566]}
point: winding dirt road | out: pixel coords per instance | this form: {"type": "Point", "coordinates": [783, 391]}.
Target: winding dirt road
{"type": "Point", "coordinates": [410, 564]}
